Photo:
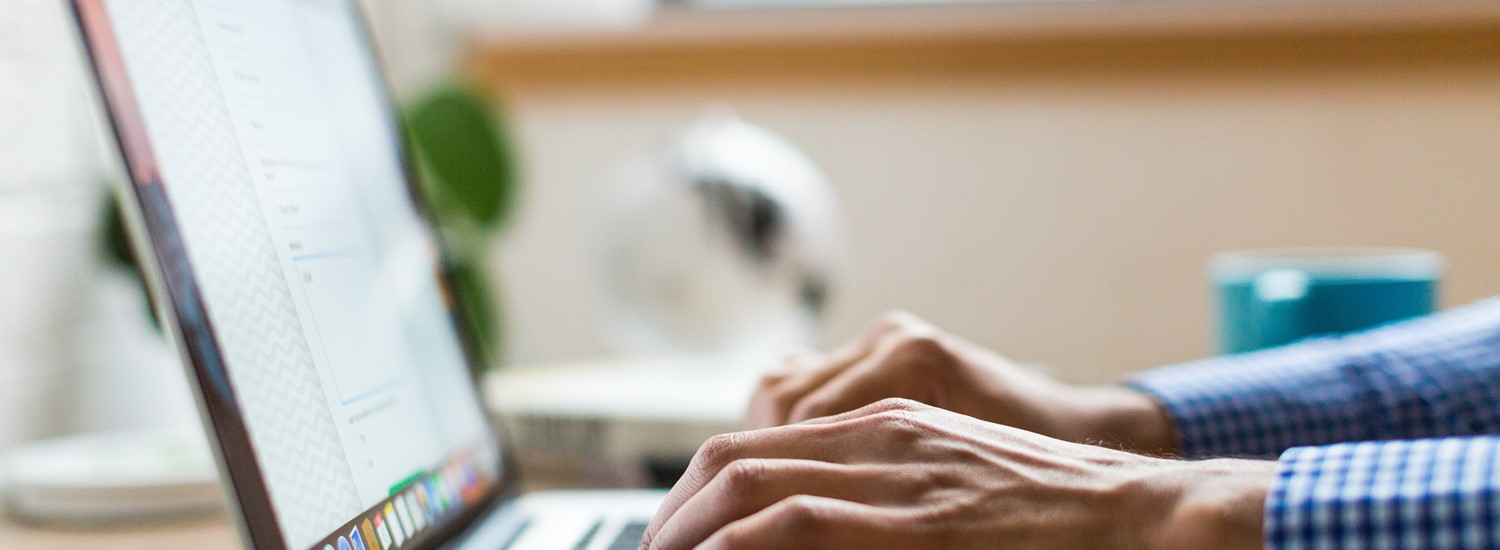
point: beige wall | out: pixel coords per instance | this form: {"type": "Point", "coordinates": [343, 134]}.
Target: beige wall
{"type": "Point", "coordinates": [1055, 199]}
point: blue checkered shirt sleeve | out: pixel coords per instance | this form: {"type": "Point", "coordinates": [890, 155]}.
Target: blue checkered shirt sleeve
{"type": "Point", "coordinates": [1438, 376]}
{"type": "Point", "coordinates": [1438, 494]}
{"type": "Point", "coordinates": [1367, 429]}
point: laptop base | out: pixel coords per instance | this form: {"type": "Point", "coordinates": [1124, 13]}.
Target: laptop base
{"type": "Point", "coordinates": [566, 520]}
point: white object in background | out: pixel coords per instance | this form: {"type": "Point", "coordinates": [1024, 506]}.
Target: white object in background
{"type": "Point", "coordinates": [49, 199]}
{"type": "Point", "coordinates": [543, 16]}
{"type": "Point", "coordinates": [124, 374]}
{"type": "Point", "coordinates": [726, 240]}
{"type": "Point", "coordinates": [124, 476]}
{"type": "Point", "coordinates": [46, 140]}
{"type": "Point", "coordinates": [46, 246]}
{"type": "Point", "coordinates": [25, 393]}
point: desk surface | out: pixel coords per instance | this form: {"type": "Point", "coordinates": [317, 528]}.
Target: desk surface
{"type": "Point", "coordinates": [545, 472]}
{"type": "Point", "coordinates": [215, 532]}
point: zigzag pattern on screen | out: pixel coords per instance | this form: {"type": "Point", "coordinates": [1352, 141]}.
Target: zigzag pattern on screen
{"type": "Point", "coordinates": [233, 254]}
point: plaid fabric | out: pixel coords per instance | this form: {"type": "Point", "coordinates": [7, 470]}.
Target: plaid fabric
{"type": "Point", "coordinates": [1431, 493]}
{"type": "Point", "coordinates": [1435, 377]}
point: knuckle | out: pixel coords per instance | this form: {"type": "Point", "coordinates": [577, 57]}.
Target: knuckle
{"type": "Point", "coordinates": [899, 419]}
{"type": "Point", "coordinates": [771, 380]}
{"type": "Point", "coordinates": [901, 425]}
{"type": "Point", "coordinates": [718, 449]}
{"type": "Point", "coordinates": [921, 345]}
{"type": "Point", "coordinates": [744, 477]}
{"type": "Point", "coordinates": [898, 405]}
{"type": "Point", "coordinates": [801, 513]}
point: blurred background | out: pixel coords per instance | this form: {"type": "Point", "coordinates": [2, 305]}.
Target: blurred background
{"type": "Point", "coordinates": [1047, 178]}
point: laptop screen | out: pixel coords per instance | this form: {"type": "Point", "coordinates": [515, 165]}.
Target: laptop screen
{"type": "Point", "coordinates": [268, 168]}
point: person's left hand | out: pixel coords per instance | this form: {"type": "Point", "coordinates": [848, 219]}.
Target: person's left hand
{"type": "Point", "coordinates": [899, 474]}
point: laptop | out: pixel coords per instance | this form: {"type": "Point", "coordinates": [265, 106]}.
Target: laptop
{"type": "Point", "coordinates": [270, 190]}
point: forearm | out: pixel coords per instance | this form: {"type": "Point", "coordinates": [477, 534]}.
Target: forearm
{"type": "Point", "coordinates": [1434, 377]}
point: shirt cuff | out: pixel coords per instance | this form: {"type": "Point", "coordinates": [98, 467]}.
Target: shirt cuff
{"type": "Point", "coordinates": [1432, 493]}
{"type": "Point", "coordinates": [1257, 404]}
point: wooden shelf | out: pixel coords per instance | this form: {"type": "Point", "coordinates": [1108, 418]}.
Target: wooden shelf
{"type": "Point", "coordinates": [686, 27]}
{"type": "Point", "coordinates": [969, 41]}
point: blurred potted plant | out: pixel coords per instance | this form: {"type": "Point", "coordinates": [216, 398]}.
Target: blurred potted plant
{"type": "Point", "coordinates": [467, 175]}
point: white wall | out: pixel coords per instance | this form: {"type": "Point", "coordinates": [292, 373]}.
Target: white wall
{"type": "Point", "coordinates": [1055, 201]}
{"type": "Point", "coordinates": [1061, 215]}
{"type": "Point", "coordinates": [49, 198]}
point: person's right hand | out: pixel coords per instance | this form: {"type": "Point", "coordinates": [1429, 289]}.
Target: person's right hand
{"type": "Point", "coordinates": [899, 474]}
{"type": "Point", "coordinates": [899, 355]}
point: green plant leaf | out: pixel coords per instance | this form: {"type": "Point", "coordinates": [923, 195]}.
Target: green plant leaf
{"type": "Point", "coordinates": [113, 236]}
{"type": "Point", "coordinates": [466, 157]}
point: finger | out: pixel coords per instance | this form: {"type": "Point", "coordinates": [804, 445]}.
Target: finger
{"type": "Point", "coordinates": [749, 486]}
{"type": "Point", "coordinates": [764, 410]}
{"type": "Point", "coordinates": [858, 347]}
{"type": "Point", "coordinates": [772, 403]}
{"type": "Point", "coordinates": [827, 440]}
{"type": "Point", "coordinates": [811, 442]}
{"type": "Point", "coordinates": [875, 377]}
{"type": "Point", "coordinates": [856, 387]}
{"type": "Point", "coordinates": [810, 522]}
{"type": "Point", "coordinates": [888, 322]}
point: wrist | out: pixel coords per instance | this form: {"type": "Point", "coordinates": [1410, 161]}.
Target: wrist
{"type": "Point", "coordinates": [1128, 419]}
{"type": "Point", "coordinates": [1219, 505]}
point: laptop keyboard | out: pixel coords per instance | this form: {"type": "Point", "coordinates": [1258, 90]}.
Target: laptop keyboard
{"type": "Point", "coordinates": [627, 538]}
{"type": "Point", "coordinates": [588, 536]}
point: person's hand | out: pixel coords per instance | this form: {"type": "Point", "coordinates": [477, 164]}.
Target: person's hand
{"type": "Point", "coordinates": [899, 355]}
{"type": "Point", "coordinates": [899, 474]}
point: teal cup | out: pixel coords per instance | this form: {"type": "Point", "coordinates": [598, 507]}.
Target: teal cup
{"type": "Point", "coordinates": [1268, 298]}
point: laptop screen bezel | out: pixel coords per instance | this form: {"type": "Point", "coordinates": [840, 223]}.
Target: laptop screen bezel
{"type": "Point", "coordinates": [179, 302]}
